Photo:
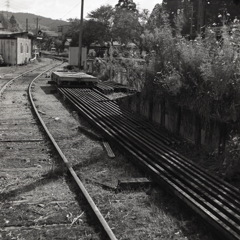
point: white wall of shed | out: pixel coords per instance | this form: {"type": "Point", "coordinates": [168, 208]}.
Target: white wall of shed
{"type": "Point", "coordinates": [23, 50]}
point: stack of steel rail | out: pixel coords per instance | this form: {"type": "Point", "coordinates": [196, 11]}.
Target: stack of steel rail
{"type": "Point", "coordinates": [215, 200]}
{"type": "Point", "coordinates": [110, 87]}
{"type": "Point", "coordinates": [104, 88]}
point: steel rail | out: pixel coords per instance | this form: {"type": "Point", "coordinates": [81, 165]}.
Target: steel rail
{"type": "Point", "coordinates": [184, 172]}
{"type": "Point", "coordinates": [90, 201]}
{"type": "Point", "coordinates": [20, 75]}
{"type": "Point", "coordinates": [191, 194]}
{"type": "Point", "coordinates": [146, 127]}
{"type": "Point", "coordinates": [158, 145]}
{"type": "Point", "coordinates": [188, 167]}
{"type": "Point", "coordinates": [170, 151]}
{"type": "Point", "coordinates": [153, 148]}
{"type": "Point", "coordinates": [100, 98]}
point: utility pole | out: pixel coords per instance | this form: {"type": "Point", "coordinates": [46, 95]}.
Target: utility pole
{"type": "Point", "coordinates": [8, 6]}
{"type": "Point", "coordinates": [80, 37]}
{"type": "Point", "coordinates": [37, 21]}
{"type": "Point", "coordinates": [191, 25]}
{"type": "Point", "coordinates": [26, 25]}
{"type": "Point", "coordinates": [201, 17]}
{"type": "Point", "coordinates": [111, 59]}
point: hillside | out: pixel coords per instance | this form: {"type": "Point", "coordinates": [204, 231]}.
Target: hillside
{"type": "Point", "coordinates": [43, 23]}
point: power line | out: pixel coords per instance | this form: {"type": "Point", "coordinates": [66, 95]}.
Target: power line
{"type": "Point", "coordinates": [66, 13]}
{"type": "Point", "coordinates": [70, 11]}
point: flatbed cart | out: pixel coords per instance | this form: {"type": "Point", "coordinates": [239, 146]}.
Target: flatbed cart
{"type": "Point", "coordinates": [74, 79]}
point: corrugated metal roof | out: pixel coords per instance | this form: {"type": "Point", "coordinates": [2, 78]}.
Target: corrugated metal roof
{"type": "Point", "coordinates": [8, 34]}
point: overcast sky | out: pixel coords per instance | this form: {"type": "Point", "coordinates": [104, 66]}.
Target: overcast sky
{"type": "Point", "coordinates": [65, 9]}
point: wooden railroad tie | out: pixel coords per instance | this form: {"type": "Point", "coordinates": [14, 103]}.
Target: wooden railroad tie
{"type": "Point", "coordinates": [133, 183]}
{"type": "Point", "coordinates": [90, 134]}
{"type": "Point", "coordinates": [108, 149]}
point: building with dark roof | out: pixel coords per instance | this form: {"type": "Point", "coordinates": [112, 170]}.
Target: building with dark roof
{"type": "Point", "coordinates": [15, 47]}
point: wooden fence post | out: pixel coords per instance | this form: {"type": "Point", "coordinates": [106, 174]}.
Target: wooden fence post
{"type": "Point", "coordinates": [179, 116]}
{"type": "Point", "coordinates": [197, 130]}
{"type": "Point", "coordinates": [222, 137]}
{"type": "Point", "coordinates": [163, 111]}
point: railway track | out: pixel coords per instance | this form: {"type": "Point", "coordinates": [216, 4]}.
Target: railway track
{"type": "Point", "coordinates": [213, 199]}
{"type": "Point", "coordinates": [36, 202]}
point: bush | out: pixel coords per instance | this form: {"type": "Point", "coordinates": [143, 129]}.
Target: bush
{"type": "Point", "coordinates": [231, 163]}
{"type": "Point", "coordinates": [200, 74]}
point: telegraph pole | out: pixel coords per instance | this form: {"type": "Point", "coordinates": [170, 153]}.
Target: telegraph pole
{"type": "Point", "coordinates": [201, 17]}
{"type": "Point", "coordinates": [8, 6]}
{"type": "Point", "coordinates": [26, 24]}
{"type": "Point", "coordinates": [191, 24]}
{"type": "Point", "coordinates": [80, 37]}
{"type": "Point", "coordinates": [37, 21]}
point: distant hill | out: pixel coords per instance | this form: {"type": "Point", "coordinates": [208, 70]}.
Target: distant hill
{"type": "Point", "coordinates": [43, 22]}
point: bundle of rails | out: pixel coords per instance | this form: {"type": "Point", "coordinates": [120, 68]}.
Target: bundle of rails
{"type": "Point", "coordinates": [215, 200]}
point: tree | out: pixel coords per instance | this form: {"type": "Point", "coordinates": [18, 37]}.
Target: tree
{"type": "Point", "coordinates": [209, 10]}
{"type": "Point", "coordinates": [105, 16]}
{"type": "Point", "coordinates": [126, 27]}
{"type": "Point", "coordinates": [156, 18]}
{"type": "Point", "coordinates": [102, 14]}
{"type": "Point", "coordinates": [237, 2]}
{"type": "Point", "coordinates": [123, 22]}
{"type": "Point", "coordinates": [93, 32]}
{"type": "Point", "coordinates": [127, 4]}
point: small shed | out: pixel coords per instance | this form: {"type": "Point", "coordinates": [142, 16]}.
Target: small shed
{"type": "Point", "coordinates": [15, 48]}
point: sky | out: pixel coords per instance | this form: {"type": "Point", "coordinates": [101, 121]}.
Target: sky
{"type": "Point", "coordinates": [65, 9]}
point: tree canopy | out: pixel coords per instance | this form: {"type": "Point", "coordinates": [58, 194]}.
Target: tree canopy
{"type": "Point", "coordinates": [93, 32]}
{"type": "Point", "coordinates": [122, 23]}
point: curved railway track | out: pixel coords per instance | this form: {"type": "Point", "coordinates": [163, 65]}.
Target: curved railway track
{"type": "Point", "coordinates": [215, 200]}
{"type": "Point", "coordinates": [26, 172]}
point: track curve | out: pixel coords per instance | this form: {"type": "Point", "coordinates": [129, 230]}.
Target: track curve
{"type": "Point", "coordinates": [11, 136]}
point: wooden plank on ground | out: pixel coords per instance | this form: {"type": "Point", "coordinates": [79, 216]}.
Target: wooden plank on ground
{"type": "Point", "coordinates": [108, 149]}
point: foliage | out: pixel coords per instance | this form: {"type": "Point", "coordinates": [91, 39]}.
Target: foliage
{"type": "Point", "coordinates": [231, 162]}
{"type": "Point", "coordinates": [201, 75]}
{"type": "Point", "coordinates": [206, 12]}
{"type": "Point", "coordinates": [126, 27]}
{"type": "Point", "coordinates": [127, 4]}
{"type": "Point", "coordinates": [160, 44]}
{"type": "Point", "coordinates": [156, 19]}
{"type": "Point", "coordinates": [102, 14]}
{"type": "Point", "coordinates": [108, 24]}
{"type": "Point", "coordinates": [93, 32]}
